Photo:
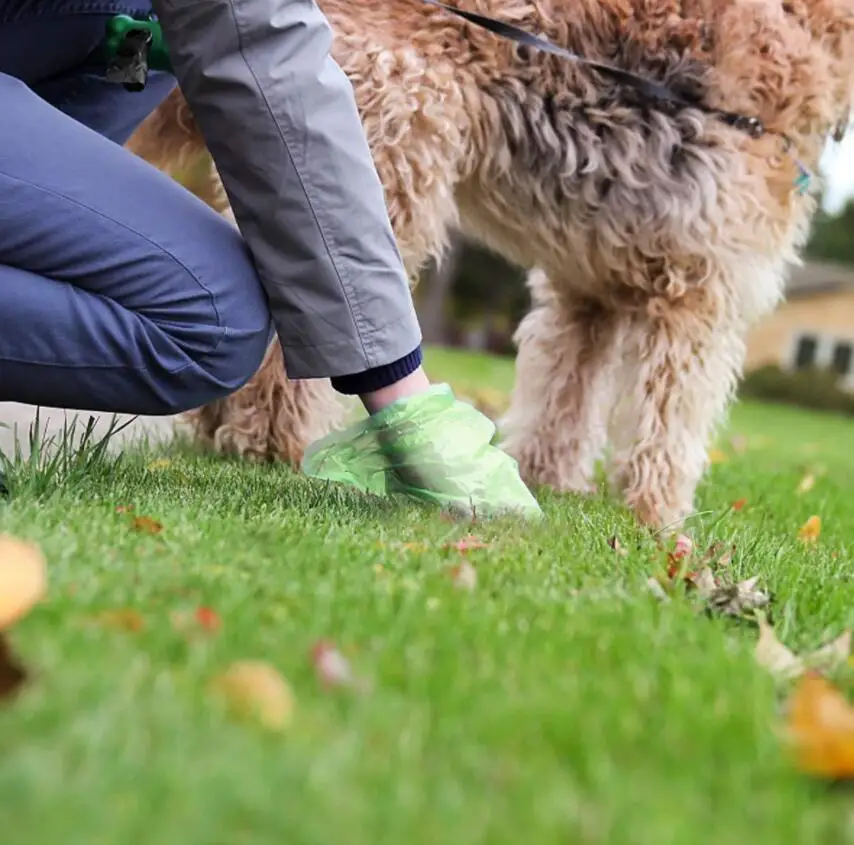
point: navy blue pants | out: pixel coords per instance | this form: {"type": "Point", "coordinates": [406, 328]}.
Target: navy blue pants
{"type": "Point", "coordinates": [119, 290]}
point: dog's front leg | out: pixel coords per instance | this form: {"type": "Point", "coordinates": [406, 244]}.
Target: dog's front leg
{"type": "Point", "coordinates": [683, 359]}
{"type": "Point", "coordinates": [556, 426]}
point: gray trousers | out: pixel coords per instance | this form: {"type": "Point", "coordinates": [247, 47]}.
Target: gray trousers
{"type": "Point", "coordinates": [281, 122]}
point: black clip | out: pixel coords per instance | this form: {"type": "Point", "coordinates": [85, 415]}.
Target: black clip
{"type": "Point", "coordinates": [129, 65]}
{"type": "Point", "coordinates": [753, 126]}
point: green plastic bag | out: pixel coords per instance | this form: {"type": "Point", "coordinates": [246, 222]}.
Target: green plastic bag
{"type": "Point", "coordinates": [430, 447]}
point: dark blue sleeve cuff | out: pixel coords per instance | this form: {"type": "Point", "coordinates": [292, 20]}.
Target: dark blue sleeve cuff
{"type": "Point", "coordinates": [379, 377]}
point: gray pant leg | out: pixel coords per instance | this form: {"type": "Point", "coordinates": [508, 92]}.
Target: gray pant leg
{"type": "Point", "coordinates": [280, 119]}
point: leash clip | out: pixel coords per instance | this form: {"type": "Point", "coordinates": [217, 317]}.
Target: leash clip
{"type": "Point", "coordinates": [753, 126]}
{"type": "Point", "coordinates": [129, 64]}
{"type": "Point", "coordinates": [131, 49]}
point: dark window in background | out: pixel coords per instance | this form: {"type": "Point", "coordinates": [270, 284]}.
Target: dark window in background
{"type": "Point", "coordinates": [842, 355]}
{"type": "Point", "coordinates": [806, 351]}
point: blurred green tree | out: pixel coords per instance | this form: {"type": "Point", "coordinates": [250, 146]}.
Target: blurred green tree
{"type": "Point", "coordinates": [832, 236]}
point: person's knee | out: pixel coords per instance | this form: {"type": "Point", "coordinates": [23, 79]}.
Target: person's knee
{"type": "Point", "coordinates": [221, 340]}
{"type": "Point", "coordinates": [233, 363]}
{"type": "Point", "coordinates": [203, 380]}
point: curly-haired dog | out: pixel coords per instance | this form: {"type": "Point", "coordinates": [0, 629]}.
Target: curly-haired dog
{"type": "Point", "coordinates": [657, 234]}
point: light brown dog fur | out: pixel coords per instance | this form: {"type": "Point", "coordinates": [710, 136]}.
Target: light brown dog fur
{"type": "Point", "coordinates": [654, 237]}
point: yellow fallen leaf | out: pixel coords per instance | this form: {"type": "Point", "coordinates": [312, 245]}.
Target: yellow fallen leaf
{"type": "Point", "coordinates": [717, 456]}
{"type": "Point", "coordinates": [785, 664]}
{"type": "Point", "coordinates": [254, 690]}
{"type": "Point", "coordinates": [120, 619]}
{"type": "Point", "coordinates": [160, 463]}
{"type": "Point", "coordinates": [832, 654]}
{"type": "Point", "coordinates": [23, 578]}
{"type": "Point", "coordinates": [773, 655]}
{"type": "Point", "coordinates": [809, 532]}
{"type": "Point", "coordinates": [806, 484]}
{"type": "Point", "coordinates": [821, 728]}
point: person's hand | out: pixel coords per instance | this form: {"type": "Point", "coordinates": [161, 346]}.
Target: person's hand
{"type": "Point", "coordinates": [428, 446]}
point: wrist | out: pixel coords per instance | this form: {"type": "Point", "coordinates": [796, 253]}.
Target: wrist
{"type": "Point", "coordinates": [411, 385]}
{"type": "Point", "coordinates": [373, 380]}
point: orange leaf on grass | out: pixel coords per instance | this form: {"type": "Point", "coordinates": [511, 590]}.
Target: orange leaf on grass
{"type": "Point", "coordinates": [810, 531]}
{"type": "Point", "coordinates": [23, 578]}
{"type": "Point", "coordinates": [466, 544]}
{"type": "Point", "coordinates": [146, 524]}
{"type": "Point", "coordinates": [739, 504]}
{"type": "Point", "coordinates": [208, 619]}
{"type": "Point", "coordinates": [202, 619]}
{"type": "Point", "coordinates": [821, 728]}
{"type": "Point", "coordinates": [254, 690]}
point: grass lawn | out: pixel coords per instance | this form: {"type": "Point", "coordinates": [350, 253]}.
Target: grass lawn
{"type": "Point", "coordinates": [558, 701]}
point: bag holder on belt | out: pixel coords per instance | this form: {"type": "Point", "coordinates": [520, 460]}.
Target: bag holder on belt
{"type": "Point", "coordinates": [132, 48]}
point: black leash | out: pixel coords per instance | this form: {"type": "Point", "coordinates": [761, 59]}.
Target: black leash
{"type": "Point", "coordinates": [133, 46]}
{"type": "Point", "coordinates": [652, 90]}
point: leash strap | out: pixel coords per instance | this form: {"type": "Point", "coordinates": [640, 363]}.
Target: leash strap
{"type": "Point", "coordinates": [653, 90]}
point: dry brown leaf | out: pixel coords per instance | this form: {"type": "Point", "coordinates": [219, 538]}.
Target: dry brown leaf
{"type": "Point", "coordinates": [13, 675]}
{"type": "Point", "coordinates": [704, 581]}
{"type": "Point", "coordinates": [146, 524]}
{"type": "Point", "coordinates": [738, 600]}
{"type": "Point", "coordinates": [254, 690]}
{"type": "Point", "coordinates": [806, 483]}
{"type": "Point", "coordinates": [785, 664]}
{"type": "Point", "coordinates": [832, 654]}
{"type": "Point", "coordinates": [23, 578]}
{"type": "Point", "coordinates": [617, 546]}
{"type": "Point", "coordinates": [821, 728]}
{"type": "Point", "coordinates": [464, 576]}
{"type": "Point", "coordinates": [773, 655]}
{"type": "Point", "coordinates": [726, 558]}
{"type": "Point", "coordinates": [810, 531]}
{"type": "Point", "coordinates": [121, 619]}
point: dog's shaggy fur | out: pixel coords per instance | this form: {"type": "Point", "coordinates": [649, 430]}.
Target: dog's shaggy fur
{"type": "Point", "coordinates": [656, 237]}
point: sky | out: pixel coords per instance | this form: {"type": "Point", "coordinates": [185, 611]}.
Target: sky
{"type": "Point", "coordinates": [837, 167]}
